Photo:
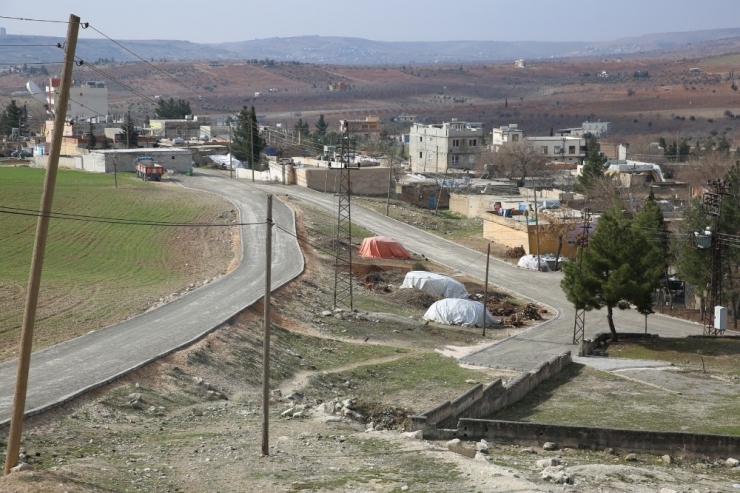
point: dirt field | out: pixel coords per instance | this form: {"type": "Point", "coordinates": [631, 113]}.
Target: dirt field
{"type": "Point", "coordinates": [668, 101]}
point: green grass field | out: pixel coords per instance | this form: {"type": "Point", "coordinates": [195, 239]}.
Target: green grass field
{"type": "Point", "coordinates": [97, 273]}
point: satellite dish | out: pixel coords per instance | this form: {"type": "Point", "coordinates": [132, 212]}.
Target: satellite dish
{"type": "Point", "coordinates": [38, 95]}
{"type": "Point", "coordinates": [36, 92]}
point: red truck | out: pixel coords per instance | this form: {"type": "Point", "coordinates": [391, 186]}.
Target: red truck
{"type": "Point", "coordinates": [147, 169]}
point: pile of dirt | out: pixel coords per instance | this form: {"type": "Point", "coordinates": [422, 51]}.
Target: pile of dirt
{"type": "Point", "coordinates": [416, 298]}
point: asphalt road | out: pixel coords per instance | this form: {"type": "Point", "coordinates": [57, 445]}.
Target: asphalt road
{"type": "Point", "coordinates": [526, 350]}
{"type": "Point", "coordinates": [62, 372]}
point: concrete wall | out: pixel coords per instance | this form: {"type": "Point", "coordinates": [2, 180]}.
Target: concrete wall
{"type": "Point", "coordinates": [482, 401]}
{"type": "Point", "coordinates": [536, 434]}
{"type": "Point", "coordinates": [513, 233]}
{"type": "Point", "coordinates": [363, 181]}
{"type": "Point", "coordinates": [506, 231]}
{"type": "Point", "coordinates": [471, 205]}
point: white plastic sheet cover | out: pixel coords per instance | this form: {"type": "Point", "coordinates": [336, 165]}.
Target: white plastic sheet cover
{"type": "Point", "coordinates": [530, 262]}
{"type": "Point", "coordinates": [452, 311]}
{"type": "Point", "coordinates": [434, 284]}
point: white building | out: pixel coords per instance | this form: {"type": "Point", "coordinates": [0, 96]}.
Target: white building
{"type": "Point", "coordinates": [439, 147]}
{"type": "Point", "coordinates": [561, 148]}
{"type": "Point", "coordinates": [597, 129]}
{"type": "Point", "coordinates": [506, 134]}
{"type": "Point", "coordinates": [88, 100]}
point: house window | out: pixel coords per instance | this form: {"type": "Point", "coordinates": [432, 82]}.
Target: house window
{"type": "Point", "coordinates": [515, 138]}
{"type": "Point", "coordinates": [455, 159]}
{"type": "Point", "coordinates": [543, 150]}
{"type": "Point", "coordinates": [421, 139]}
{"type": "Point", "coordinates": [455, 142]}
{"type": "Point", "coordinates": [558, 150]}
{"type": "Point", "coordinates": [571, 149]}
{"type": "Point", "coordinates": [472, 142]}
{"type": "Point", "coordinates": [420, 155]}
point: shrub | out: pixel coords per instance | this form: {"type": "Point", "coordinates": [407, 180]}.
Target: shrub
{"type": "Point", "coordinates": [516, 252]}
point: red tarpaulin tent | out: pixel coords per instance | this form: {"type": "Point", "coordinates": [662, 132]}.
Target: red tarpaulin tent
{"type": "Point", "coordinates": [382, 247]}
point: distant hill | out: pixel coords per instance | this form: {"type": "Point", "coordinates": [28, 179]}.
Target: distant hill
{"type": "Point", "coordinates": [350, 51]}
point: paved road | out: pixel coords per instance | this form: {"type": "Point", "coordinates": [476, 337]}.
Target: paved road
{"type": "Point", "coordinates": [64, 371]}
{"type": "Point", "coordinates": [528, 349]}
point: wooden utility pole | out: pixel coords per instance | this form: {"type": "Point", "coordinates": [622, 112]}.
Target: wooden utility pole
{"type": "Point", "coordinates": [251, 145]}
{"type": "Point", "coordinates": [485, 289]}
{"type": "Point", "coordinates": [266, 343]}
{"type": "Point", "coordinates": [537, 228]}
{"type": "Point", "coordinates": [390, 178]}
{"type": "Point", "coordinates": [37, 262]}
{"type": "Point", "coordinates": [231, 155]}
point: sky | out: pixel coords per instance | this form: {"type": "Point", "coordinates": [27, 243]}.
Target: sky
{"type": "Point", "coordinates": [381, 20]}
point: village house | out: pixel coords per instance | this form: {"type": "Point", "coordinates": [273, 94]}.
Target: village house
{"type": "Point", "coordinates": [440, 147]}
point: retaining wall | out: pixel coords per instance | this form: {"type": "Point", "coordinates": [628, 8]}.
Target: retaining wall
{"type": "Point", "coordinates": [536, 434]}
{"type": "Point", "coordinates": [483, 400]}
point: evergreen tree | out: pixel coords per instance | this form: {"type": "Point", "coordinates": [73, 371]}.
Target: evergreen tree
{"type": "Point", "coordinates": [12, 117]}
{"type": "Point", "coordinates": [593, 166]}
{"type": "Point", "coordinates": [130, 135]}
{"type": "Point", "coordinates": [105, 143]}
{"type": "Point", "coordinates": [321, 126]}
{"type": "Point", "coordinates": [614, 270]}
{"type": "Point", "coordinates": [247, 144]}
{"type": "Point", "coordinates": [301, 128]}
{"type": "Point", "coordinates": [91, 139]}
{"type": "Point", "coordinates": [171, 109]}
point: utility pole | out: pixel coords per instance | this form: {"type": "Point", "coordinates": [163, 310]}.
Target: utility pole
{"type": "Point", "coordinates": [251, 145]}
{"type": "Point", "coordinates": [537, 228]}
{"type": "Point", "coordinates": [231, 155]}
{"type": "Point", "coordinates": [579, 326]}
{"type": "Point", "coordinates": [712, 203]}
{"type": "Point", "coordinates": [390, 179]}
{"type": "Point", "coordinates": [266, 344]}
{"type": "Point", "coordinates": [485, 288]}
{"type": "Point", "coordinates": [37, 262]}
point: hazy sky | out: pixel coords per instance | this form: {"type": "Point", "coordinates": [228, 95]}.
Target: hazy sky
{"type": "Point", "coordinates": [383, 20]}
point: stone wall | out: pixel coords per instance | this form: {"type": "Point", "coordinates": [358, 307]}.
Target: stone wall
{"type": "Point", "coordinates": [482, 400]}
{"type": "Point", "coordinates": [536, 434]}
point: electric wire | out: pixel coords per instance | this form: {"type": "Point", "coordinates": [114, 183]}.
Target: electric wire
{"type": "Point", "coordinates": [145, 61]}
{"type": "Point", "coordinates": [111, 220]}
{"type": "Point", "coordinates": [26, 45]}
{"type": "Point", "coordinates": [33, 20]}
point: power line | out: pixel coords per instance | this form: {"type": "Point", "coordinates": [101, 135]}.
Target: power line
{"type": "Point", "coordinates": [33, 20]}
{"type": "Point", "coordinates": [111, 220]}
{"type": "Point", "coordinates": [55, 45]}
{"type": "Point", "coordinates": [145, 61]}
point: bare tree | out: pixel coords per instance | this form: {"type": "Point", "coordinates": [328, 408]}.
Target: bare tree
{"type": "Point", "coordinates": [561, 225]}
{"type": "Point", "coordinates": [517, 161]}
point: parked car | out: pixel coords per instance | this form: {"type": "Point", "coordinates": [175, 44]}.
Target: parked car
{"type": "Point", "coordinates": [21, 154]}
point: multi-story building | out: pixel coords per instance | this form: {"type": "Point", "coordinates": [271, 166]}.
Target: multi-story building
{"type": "Point", "coordinates": [597, 129]}
{"type": "Point", "coordinates": [370, 125]}
{"type": "Point", "coordinates": [561, 148]}
{"type": "Point", "coordinates": [88, 100]}
{"type": "Point", "coordinates": [438, 147]}
{"type": "Point", "coordinates": [506, 134]}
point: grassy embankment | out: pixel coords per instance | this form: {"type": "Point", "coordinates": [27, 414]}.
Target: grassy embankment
{"type": "Point", "coordinates": [98, 273]}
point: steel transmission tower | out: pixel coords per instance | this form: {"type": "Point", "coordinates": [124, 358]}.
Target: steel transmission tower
{"type": "Point", "coordinates": [579, 327]}
{"type": "Point", "coordinates": [712, 203]}
{"type": "Point", "coordinates": [343, 240]}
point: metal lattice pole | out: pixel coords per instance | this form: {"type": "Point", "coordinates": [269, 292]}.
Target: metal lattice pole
{"type": "Point", "coordinates": [712, 203]}
{"type": "Point", "coordinates": [579, 327]}
{"type": "Point", "coordinates": [343, 239]}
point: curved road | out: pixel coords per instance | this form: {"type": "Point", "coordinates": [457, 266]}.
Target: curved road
{"type": "Point", "coordinates": [62, 372]}
{"type": "Point", "coordinates": [528, 349]}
